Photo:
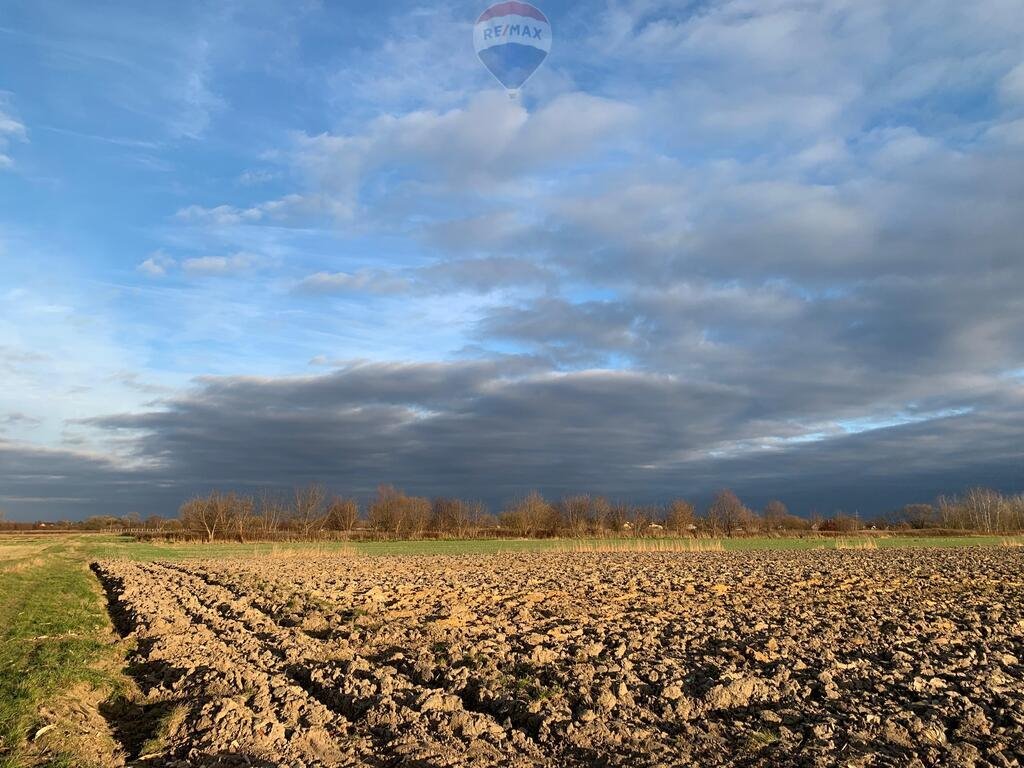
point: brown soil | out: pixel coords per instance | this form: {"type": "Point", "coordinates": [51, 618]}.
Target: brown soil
{"type": "Point", "coordinates": [856, 658]}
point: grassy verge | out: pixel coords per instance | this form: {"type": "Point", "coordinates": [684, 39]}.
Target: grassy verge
{"type": "Point", "coordinates": [54, 637]}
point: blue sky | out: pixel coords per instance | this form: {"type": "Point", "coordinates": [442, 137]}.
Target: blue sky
{"type": "Point", "coordinates": [759, 244]}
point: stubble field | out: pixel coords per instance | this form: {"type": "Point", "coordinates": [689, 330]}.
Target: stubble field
{"type": "Point", "coordinates": [889, 657]}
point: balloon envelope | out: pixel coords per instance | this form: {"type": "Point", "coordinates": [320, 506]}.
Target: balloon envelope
{"type": "Point", "coordinates": [512, 39]}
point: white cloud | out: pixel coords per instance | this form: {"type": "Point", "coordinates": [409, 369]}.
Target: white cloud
{"type": "Point", "coordinates": [10, 130]}
{"type": "Point", "coordinates": [363, 281]}
{"type": "Point", "coordinates": [220, 265]}
{"type": "Point", "coordinates": [421, 63]}
{"type": "Point", "coordinates": [489, 143]}
{"type": "Point", "coordinates": [157, 264]}
{"type": "Point", "coordinates": [822, 152]}
{"type": "Point", "coordinates": [900, 146]}
{"type": "Point", "coordinates": [257, 177]}
{"type": "Point", "coordinates": [220, 216]}
{"type": "Point", "coordinates": [197, 102]}
{"type": "Point", "coordinates": [1011, 132]}
{"type": "Point", "coordinates": [802, 112]}
{"type": "Point", "coordinates": [11, 127]}
{"type": "Point", "coordinates": [1011, 87]}
{"type": "Point", "coordinates": [282, 210]}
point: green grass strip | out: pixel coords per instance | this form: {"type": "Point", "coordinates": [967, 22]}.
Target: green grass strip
{"type": "Point", "coordinates": [53, 626]}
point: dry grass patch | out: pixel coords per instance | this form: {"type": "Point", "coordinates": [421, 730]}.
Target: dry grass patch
{"type": "Point", "coordinates": [277, 552]}
{"type": "Point", "coordinates": [20, 566]}
{"type": "Point", "coordinates": [639, 545]}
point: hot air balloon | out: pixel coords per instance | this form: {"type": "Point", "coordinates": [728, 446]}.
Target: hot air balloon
{"type": "Point", "coordinates": [512, 40]}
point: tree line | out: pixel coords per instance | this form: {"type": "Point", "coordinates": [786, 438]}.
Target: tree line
{"type": "Point", "coordinates": [311, 512]}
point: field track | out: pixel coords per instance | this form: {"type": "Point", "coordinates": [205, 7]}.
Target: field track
{"type": "Point", "coordinates": [885, 657]}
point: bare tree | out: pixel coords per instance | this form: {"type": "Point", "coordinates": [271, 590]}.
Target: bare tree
{"type": "Point", "coordinates": [417, 515]}
{"type": "Point", "coordinates": [529, 516]}
{"type": "Point", "coordinates": [982, 509]}
{"type": "Point", "coordinates": [480, 517]}
{"type": "Point", "coordinates": [600, 512]}
{"type": "Point", "coordinates": [951, 512]}
{"type": "Point", "coordinates": [206, 515]}
{"type": "Point", "coordinates": [727, 513]}
{"type": "Point", "coordinates": [679, 516]}
{"type": "Point", "coordinates": [452, 516]}
{"type": "Point", "coordinates": [643, 517]}
{"type": "Point", "coordinates": [270, 514]}
{"type": "Point", "coordinates": [386, 511]}
{"type": "Point", "coordinates": [575, 514]}
{"type": "Point", "coordinates": [918, 515]}
{"type": "Point", "coordinates": [153, 522]}
{"type": "Point", "coordinates": [774, 515]}
{"type": "Point", "coordinates": [309, 512]}
{"type": "Point", "coordinates": [840, 522]}
{"type": "Point", "coordinates": [342, 514]}
{"type": "Point", "coordinates": [619, 517]}
{"type": "Point", "coordinates": [395, 513]}
{"type": "Point", "coordinates": [240, 515]}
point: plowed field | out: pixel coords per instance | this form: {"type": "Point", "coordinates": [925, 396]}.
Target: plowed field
{"type": "Point", "coordinates": [887, 658]}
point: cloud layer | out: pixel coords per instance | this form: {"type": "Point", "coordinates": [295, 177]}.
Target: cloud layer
{"type": "Point", "coordinates": [490, 429]}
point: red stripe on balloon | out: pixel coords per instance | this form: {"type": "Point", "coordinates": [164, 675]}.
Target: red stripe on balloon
{"type": "Point", "coordinates": [512, 9]}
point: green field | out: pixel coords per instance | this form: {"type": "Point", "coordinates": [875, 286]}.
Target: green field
{"type": "Point", "coordinates": [55, 635]}
{"type": "Point", "coordinates": [111, 547]}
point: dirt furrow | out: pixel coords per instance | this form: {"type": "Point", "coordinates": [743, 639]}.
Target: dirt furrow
{"type": "Point", "coordinates": [341, 684]}
{"type": "Point", "coordinates": [236, 698]}
{"type": "Point", "coordinates": [384, 705]}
